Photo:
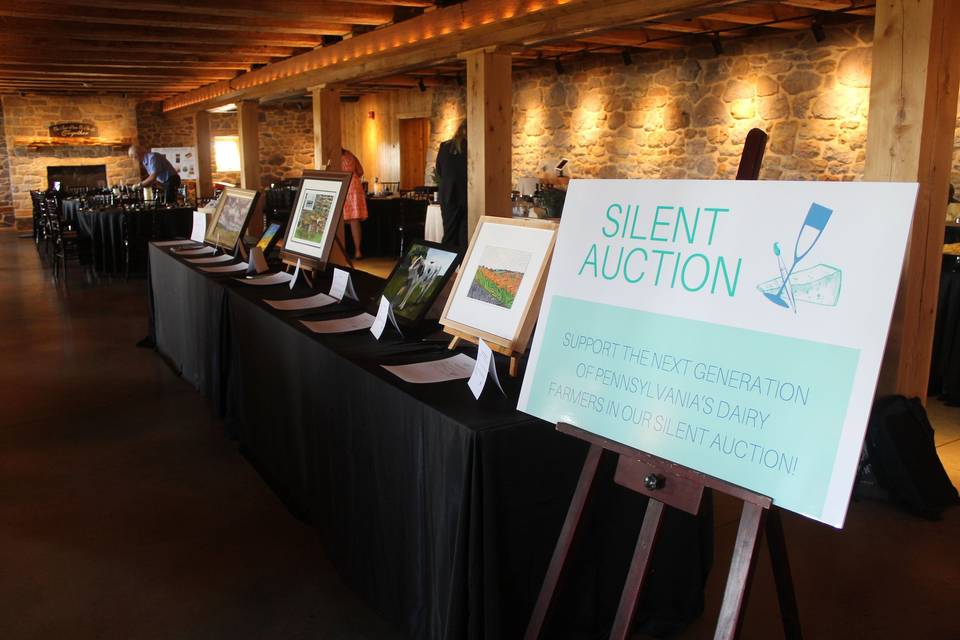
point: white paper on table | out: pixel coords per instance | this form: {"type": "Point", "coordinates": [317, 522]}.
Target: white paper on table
{"type": "Point", "coordinates": [172, 243]}
{"type": "Point", "coordinates": [256, 263]}
{"type": "Point", "coordinates": [199, 226]}
{"type": "Point", "coordinates": [384, 313]}
{"type": "Point", "coordinates": [300, 304]}
{"type": "Point", "coordinates": [280, 277]}
{"type": "Point", "coordinates": [230, 268]}
{"type": "Point", "coordinates": [342, 285]}
{"type": "Point", "coordinates": [296, 272]}
{"type": "Point", "coordinates": [202, 251]}
{"type": "Point", "coordinates": [224, 257]}
{"type": "Point", "coordinates": [340, 325]}
{"type": "Point", "coordinates": [456, 368]}
{"type": "Point", "coordinates": [486, 368]}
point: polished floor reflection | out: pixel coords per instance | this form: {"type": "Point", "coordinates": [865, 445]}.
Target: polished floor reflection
{"type": "Point", "coordinates": [126, 513]}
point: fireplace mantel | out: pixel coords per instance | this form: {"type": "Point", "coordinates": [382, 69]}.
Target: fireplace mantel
{"type": "Point", "coordinates": [39, 142]}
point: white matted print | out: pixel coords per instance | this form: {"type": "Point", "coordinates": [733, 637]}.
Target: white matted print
{"type": "Point", "coordinates": [313, 223]}
{"type": "Point", "coordinates": [501, 279]}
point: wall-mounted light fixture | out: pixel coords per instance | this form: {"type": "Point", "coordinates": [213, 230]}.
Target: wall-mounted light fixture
{"type": "Point", "coordinates": [819, 34]}
{"type": "Point", "coordinates": [421, 85]}
{"type": "Point", "coordinates": [559, 67]}
{"type": "Point", "coordinates": [627, 58]}
{"type": "Point", "coordinates": [717, 44]}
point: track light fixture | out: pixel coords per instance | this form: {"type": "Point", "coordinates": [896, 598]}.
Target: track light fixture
{"type": "Point", "coordinates": [717, 44]}
{"type": "Point", "coordinates": [819, 34]}
{"type": "Point", "coordinates": [627, 58]}
{"type": "Point", "coordinates": [459, 79]}
{"type": "Point", "coordinates": [421, 85]}
{"type": "Point", "coordinates": [559, 67]}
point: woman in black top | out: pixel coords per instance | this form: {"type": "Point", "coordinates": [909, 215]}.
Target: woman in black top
{"type": "Point", "coordinates": [452, 170]}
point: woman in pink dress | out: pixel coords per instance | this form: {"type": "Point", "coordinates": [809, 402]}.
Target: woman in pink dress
{"type": "Point", "coordinates": [355, 205]}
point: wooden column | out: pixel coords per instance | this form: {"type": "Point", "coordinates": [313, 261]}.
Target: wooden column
{"type": "Point", "coordinates": [489, 134]}
{"type": "Point", "coordinates": [326, 128]}
{"type": "Point", "coordinates": [248, 113]}
{"type": "Point", "coordinates": [327, 143]}
{"type": "Point", "coordinates": [913, 109]}
{"type": "Point", "coordinates": [202, 143]}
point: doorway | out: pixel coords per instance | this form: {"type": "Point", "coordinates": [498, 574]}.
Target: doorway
{"type": "Point", "coordinates": [414, 138]}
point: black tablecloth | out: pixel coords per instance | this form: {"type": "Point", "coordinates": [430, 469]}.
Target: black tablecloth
{"type": "Point", "coordinates": [392, 224]}
{"type": "Point", "coordinates": [104, 228]}
{"type": "Point", "coordinates": [945, 361]}
{"type": "Point", "coordinates": [441, 511]}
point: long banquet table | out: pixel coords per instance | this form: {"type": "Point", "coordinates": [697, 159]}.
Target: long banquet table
{"type": "Point", "coordinates": [439, 510]}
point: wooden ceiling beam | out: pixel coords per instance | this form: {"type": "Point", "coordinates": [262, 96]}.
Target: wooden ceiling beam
{"type": "Point", "coordinates": [776, 17]}
{"type": "Point", "coordinates": [211, 75]}
{"type": "Point", "coordinates": [362, 12]}
{"type": "Point", "coordinates": [119, 34]}
{"type": "Point", "coordinates": [26, 61]}
{"type": "Point", "coordinates": [268, 22]}
{"type": "Point", "coordinates": [67, 47]}
{"type": "Point", "coordinates": [438, 35]}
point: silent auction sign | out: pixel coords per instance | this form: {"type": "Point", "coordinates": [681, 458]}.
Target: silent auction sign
{"type": "Point", "coordinates": [732, 327]}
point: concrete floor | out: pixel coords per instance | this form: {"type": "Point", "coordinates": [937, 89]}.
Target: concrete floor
{"type": "Point", "coordinates": [126, 513]}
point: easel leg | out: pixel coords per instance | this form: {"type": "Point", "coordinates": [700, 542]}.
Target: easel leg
{"type": "Point", "coordinates": [514, 366]}
{"type": "Point", "coordinates": [741, 572]}
{"type": "Point", "coordinates": [581, 496]}
{"type": "Point", "coordinates": [453, 343]}
{"type": "Point", "coordinates": [781, 575]}
{"type": "Point", "coordinates": [638, 570]}
{"type": "Point", "coordinates": [343, 250]}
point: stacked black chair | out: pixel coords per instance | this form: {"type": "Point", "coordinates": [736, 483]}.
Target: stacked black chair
{"type": "Point", "coordinates": [64, 238]}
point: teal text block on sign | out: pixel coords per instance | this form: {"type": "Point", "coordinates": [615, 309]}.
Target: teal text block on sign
{"type": "Point", "coordinates": [756, 409]}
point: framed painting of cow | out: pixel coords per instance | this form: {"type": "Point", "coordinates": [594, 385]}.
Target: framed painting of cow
{"type": "Point", "coordinates": [417, 280]}
{"type": "Point", "coordinates": [499, 288]}
{"type": "Point", "coordinates": [315, 219]}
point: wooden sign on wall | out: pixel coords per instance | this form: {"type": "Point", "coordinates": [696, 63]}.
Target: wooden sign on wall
{"type": "Point", "coordinates": [73, 130]}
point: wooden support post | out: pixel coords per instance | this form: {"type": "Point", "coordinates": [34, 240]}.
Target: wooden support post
{"type": "Point", "coordinates": [248, 113]}
{"type": "Point", "coordinates": [202, 143]}
{"type": "Point", "coordinates": [327, 144]}
{"type": "Point", "coordinates": [489, 137]}
{"type": "Point", "coordinates": [913, 109]}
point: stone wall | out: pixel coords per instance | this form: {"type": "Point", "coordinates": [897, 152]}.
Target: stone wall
{"type": "Point", "coordinates": [7, 217]}
{"type": "Point", "coordinates": [448, 111]}
{"type": "Point", "coordinates": [685, 114]}
{"type": "Point", "coordinates": [31, 116]}
{"type": "Point", "coordinates": [286, 137]}
{"type": "Point", "coordinates": [286, 141]}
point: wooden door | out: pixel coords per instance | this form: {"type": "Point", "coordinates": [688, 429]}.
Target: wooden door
{"type": "Point", "coordinates": [414, 138]}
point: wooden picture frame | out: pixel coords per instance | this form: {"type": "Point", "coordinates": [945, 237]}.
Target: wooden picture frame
{"type": "Point", "coordinates": [300, 239]}
{"type": "Point", "coordinates": [447, 261]}
{"type": "Point", "coordinates": [236, 203]}
{"type": "Point", "coordinates": [516, 338]}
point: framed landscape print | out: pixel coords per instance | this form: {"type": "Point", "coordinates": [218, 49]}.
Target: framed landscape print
{"type": "Point", "coordinates": [418, 279]}
{"type": "Point", "coordinates": [230, 218]}
{"type": "Point", "coordinates": [498, 291]}
{"type": "Point", "coordinates": [316, 215]}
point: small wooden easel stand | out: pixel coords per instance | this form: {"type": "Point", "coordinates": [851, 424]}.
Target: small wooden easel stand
{"type": "Point", "coordinates": [311, 267]}
{"type": "Point", "coordinates": [669, 484]}
{"type": "Point", "coordinates": [459, 336]}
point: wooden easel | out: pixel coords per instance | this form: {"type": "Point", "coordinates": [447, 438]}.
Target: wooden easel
{"type": "Point", "coordinates": [513, 355]}
{"type": "Point", "coordinates": [669, 484]}
{"type": "Point", "coordinates": [310, 267]}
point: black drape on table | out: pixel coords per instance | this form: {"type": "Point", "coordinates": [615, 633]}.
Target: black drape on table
{"type": "Point", "coordinates": [441, 511]}
{"type": "Point", "coordinates": [945, 361]}
{"type": "Point", "coordinates": [106, 230]}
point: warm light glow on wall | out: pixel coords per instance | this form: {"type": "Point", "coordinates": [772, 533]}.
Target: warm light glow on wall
{"type": "Point", "coordinates": [226, 153]}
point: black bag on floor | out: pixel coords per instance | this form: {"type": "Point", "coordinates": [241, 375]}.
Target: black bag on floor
{"type": "Point", "coordinates": [902, 459]}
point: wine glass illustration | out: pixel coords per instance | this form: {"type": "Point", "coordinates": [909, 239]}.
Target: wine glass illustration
{"type": "Point", "coordinates": [810, 232]}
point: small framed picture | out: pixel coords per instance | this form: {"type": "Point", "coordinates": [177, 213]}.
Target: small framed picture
{"type": "Point", "coordinates": [231, 217]}
{"type": "Point", "coordinates": [270, 236]}
{"type": "Point", "coordinates": [316, 215]}
{"type": "Point", "coordinates": [499, 288]}
{"type": "Point", "coordinates": [417, 280]}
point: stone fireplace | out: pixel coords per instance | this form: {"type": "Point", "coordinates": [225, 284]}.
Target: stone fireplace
{"type": "Point", "coordinates": [27, 121]}
{"type": "Point", "coordinates": [92, 176]}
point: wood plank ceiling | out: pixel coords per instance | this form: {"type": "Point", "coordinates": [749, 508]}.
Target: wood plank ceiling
{"type": "Point", "coordinates": [170, 46]}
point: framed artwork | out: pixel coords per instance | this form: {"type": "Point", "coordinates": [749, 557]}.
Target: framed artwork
{"type": "Point", "coordinates": [417, 280]}
{"type": "Point", "coordinates": [316, 215]}
{"type": "Point", "coordinates": [269, 237]}
{"type": "Point", "coordinates": [229, 220]}
{"type": "Point", "coordinates": [498, 291]}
